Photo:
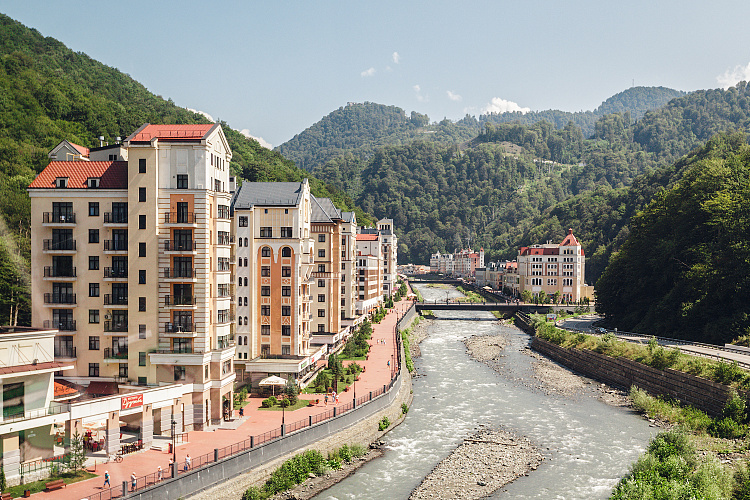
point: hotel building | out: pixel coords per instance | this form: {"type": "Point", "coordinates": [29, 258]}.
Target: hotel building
{"type": "Point", "coordinates": [553, 268]}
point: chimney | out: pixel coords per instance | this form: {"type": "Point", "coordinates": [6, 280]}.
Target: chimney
{"type": "Point", "coordinates": [101, 140]}
{"type": "Point", "coordinates": [570, 230]}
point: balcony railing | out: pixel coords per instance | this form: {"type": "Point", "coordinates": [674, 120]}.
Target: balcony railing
{"type": "Point", "coordinates": [115, 326]}
{"type": "Point", "coordinates": [115, 272]}
{"type": "Point", "coordinates": [115, 218]}
{"type": "Point", "coordinates": [178, 327]}
{"type": "Point", "coordinates": [178, 272]}
{"type": "Point", "coordinates": [115, 300]}
{"type": "Point", "coordinates": [63, 326]}
{"type": "Point", "coordinates": [176, 300]}
{"type": "Point", "coordinates": [115, 245]}
{"type": "Point", "coordinates": [176, 350]}
{"type": "Point", "coordinates": [224, 240]}
{"type": "Point", "coordinates": [179, 218]}
{"type": "Point", "coordinates": [58, 218]}
{"type": "Point", "coordinates": [52, 245]}
{"type": "Point", "coordinates": [59, 298]}
{"type": "Point", "coordinates": [180, 246]}
{"type": "Point", "coordinates": [115, 353]}
{"type": "Point", "coordinates": [65, 351]}
{"type": "Point", "coordinates": [52, 409]}
{"type": "Point", "coordinates": [59, 272]}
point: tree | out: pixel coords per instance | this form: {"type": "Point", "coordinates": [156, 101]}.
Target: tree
{"type": "Point", "coordinates": [526, 296]}
{"type": "Point", "coordinates": [291, 390]}
{"type": "Point", "coordinates": [77, 452]}
{"type": "Point", "coordinates": [556, 297]}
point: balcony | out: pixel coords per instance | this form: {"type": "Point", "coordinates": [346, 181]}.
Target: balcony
{"type": "Point", "coordinates": [225, 240]}
{"type": "Point", "coordinates": [63, 326]}
{"type": "Point", "coordinates": [59, 245]}
{"type": "Point", "coordinates": [59, 272]}
{"type": "Point", "coordinates": [178, 301]}
{"type": "Point", "coordinates": [116, 218]}
{"type": "Point", "coordinates": [115, 273]}
{"type": "Point", "coordinates": [180, 218]}
{"type": "Point", "coordinates": [115, 300]}
{"type": "Point", "coordinates": [178, 327]}
{"type": "Point", "coordinates": [60, 298]}
{"type": "Point", "coordinates": [176, 350]}
{"type": "Point", "coordinates": [116, 326]}
{"type": "Point", "coordinates": [180, 246]}
{"type": "Point", "coordinates": [115, 245]}
{"type": "Point", "coordinates": [55, 218]}
{"type": "Point", "coordinates": [118, 353]}
{"type": "Point", "coordinates": [179, 273]}
{"type": "Point", "coordinates": [67, 352]}
{"type": "Point", "coordinates": [52, 409]}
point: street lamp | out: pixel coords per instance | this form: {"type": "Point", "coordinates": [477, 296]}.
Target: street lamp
{"type": "Point", "coordinates": [283, 411]}
{"type": "Point", "coordinates": [446, 296]}
{"type": "Point", "coordinates": [354, 389]}
{"type": "Point", "coordinates": [174, 445]}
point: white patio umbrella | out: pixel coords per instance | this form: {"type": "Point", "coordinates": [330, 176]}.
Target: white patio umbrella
{"type": "Point", "coordinates": [273, 381]}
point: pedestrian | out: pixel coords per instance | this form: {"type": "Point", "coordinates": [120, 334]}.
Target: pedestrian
{"type": "Point", "coordinates": [106, 480]}
{"type": "Point", "coordinates": [187, 462]}
{"type": "Point", "coordinates": [242, 412]}
{"type": "Point", "coordinates": [132, 481]}
{"type": "Point", "coordinates": [171, 466]}
{"type": "Point", "coordinates": [159, 474]}
{"type": "Point", "coordinates": [326, 399]}
{"type": "Point", "coordinates": [389, 363]}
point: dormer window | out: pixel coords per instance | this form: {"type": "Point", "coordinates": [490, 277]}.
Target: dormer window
{"type": "Point", "coordinates": [92, 182]}
{"type": "Point", "coordinates": [61, 182]}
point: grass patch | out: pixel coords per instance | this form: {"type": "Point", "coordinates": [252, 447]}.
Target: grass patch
{"type": "Point", "coordinates": [669, 411]}
{"type": "Point", "coordinates": [301, 403]}
{"type": "Point", "coordinates": [37, 486]}
{"type": "Point", "coordinates": [406, 340]}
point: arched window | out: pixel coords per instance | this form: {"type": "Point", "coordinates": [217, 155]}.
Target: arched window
{"type": "Point", "coordinates": [245, 281]}
{"type": "Point", "coordinates": [245, 300]}
{"type": "Point", "coordinates": [239, 261]}
{"type": "Point", "coordinates": [265, 252]}
{"type": "Point", "coordinates": [239, 340]}
{"type": "Point", "coordinates": [245, 261]}
{"type": "Point", "coordinates": [240, 241]}
{"type": "Point", "coordinates": [239, 281]}
{"type": "Point", "coordinates": [286, 252]}
{"type": "Point", "coordinates": [245, 241]}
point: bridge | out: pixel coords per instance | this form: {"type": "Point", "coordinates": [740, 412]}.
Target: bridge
{"type": "Point", "coordinates": [504, 307]}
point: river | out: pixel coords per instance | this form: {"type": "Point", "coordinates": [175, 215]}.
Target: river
{"type": "Point", "coordinates": [587, 444]}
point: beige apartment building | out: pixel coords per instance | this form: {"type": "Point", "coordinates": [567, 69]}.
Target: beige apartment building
{"type": "Point", "coordinates": [131, 262]}
{"type": "Point", "coordinates": [553, 268]}
{"type": "Point", "coordinates": [349, 291]}
{"type": "Point", "coordinates": [369, 272]}
{"type": "Point", "coordinates": [390, 256]}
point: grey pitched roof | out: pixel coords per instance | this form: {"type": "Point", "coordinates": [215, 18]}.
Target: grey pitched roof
{"type": "Point", "coordinates": [347, 216]}
{"type": "Point", "coordinates": [323, 210]}
{"type": "Point", "coordinates": [268, 194]}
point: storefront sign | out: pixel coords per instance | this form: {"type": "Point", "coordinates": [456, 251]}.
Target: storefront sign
{"type": "Point", "coordinates": [131, 401]}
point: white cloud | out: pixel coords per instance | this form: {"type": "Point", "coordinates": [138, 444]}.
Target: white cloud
{"type": "Point", "coordinates": [367, 72]}
{"type": "Point", "coordinates": [260, 140]}
{"type": "Point", "coordinates": [498, 105]}
{"type": "Point", "coordinates": [416, 88]}
{"type": "Point", "coordinates": [452, 96]}
{"type": "Point", "coordinates": [420, 96]}
{"type": "Point", "coordinates": [202, 113]}
{"type": "Point", "coordinates": [396, 57]}
{"type": "Point", "coordinates": [732, 76]}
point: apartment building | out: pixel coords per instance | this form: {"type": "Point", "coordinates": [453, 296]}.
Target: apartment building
{"type": "Point", "coordinates": [326, 276]}
{"type": "Point", "coordinates": [274, 274]}
{"type": "Point", "coordinates": [131, 262]}
{"type": "Point", "coordinates": [553, 268]}
{"type": "Point", "coordinates": [349, 292]}
{"type": "Point", "coordinates": [369, 272]}
{"type": "Point", "coordinates": [442, 263]}
{"type": "Point", "coordinates": [390, 256]}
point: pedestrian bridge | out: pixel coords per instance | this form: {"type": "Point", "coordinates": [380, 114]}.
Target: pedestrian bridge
{"type": "Point", "coordinates": [504, 307]}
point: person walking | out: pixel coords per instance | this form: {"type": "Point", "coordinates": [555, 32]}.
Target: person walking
{"type": "Point", "coordinates": [132, 481]}
{"type": "Point", "coordinates": [187, 462]}
{"type": "Point", "coordinates": [326, 399]}
{"type": "Point", "coordinates": [106, 480]}
{"type": "Point", "coordinates": [171, 466]}
{"type": "Point", "coordinates": [159, 474]}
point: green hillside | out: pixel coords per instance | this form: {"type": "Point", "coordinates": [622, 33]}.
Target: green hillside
{"type": "Point", "coordinates": [49, 93]}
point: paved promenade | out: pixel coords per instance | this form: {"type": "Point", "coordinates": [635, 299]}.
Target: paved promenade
{"type": "Point", "coordinates": [255, 421]}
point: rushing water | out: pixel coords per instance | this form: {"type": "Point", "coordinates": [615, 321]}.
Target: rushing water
{"type": "Point", "coordinates": [587, 444]}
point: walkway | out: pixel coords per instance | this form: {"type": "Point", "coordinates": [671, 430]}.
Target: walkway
{"type": "Point", "coordinates": [255, 421]}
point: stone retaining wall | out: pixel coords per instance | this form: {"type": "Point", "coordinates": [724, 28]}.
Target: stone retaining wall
{"type": "Point", "coordinates": [703, 394]}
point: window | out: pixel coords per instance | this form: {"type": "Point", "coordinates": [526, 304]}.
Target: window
{"type": "Point", "coordinates": [286, 252]}
{"type": "Point", "coordinates": [245, 261]}
{"type": "Point", "coordinates": [321, 283]}
{"type": "Point", "coordinates": [223, 238]}
{"type": "Point", "coordinates": [321, 268]}
{"type": "Point", "coordinates": [141, 222]}
{"type": "Point", "coordinates": [61, 182]}
{"type": "Point", "coordinates": [322, 238]}
{"type": "Point", "coordinates": [223, 264]}
{"type": "Point", "coordinates": [265, 271]}
{"type": "Point", "coordinates": [141, 359]}
{"type": "Point", "coordinates": [265, 291]}
{"type": "Point", "coordinates": [321, 313]}
{"type": "Point", "coordinates": [141, 165]}
{"type": "Point", "coordinates": [245, 279]}
{"type": "Point", "coordinates": [321, 297]}
{"type": "Point", "coordinates": [141, 194]}
{"type": "Point", "coordinates": [93, 369]}
{"type": "Point", "coordinates": [245, 300]}
{"type": "Point", "coordinates": [141, 331]}
{"type": "Point", "coordinates": [286, 271]}
{"type": "Point", "coordinates": [286, 232]}
{"type": "Point", "coordinates": [93, 236]}
{"type": "Point", "coordinates": [142, 277]}
{"type": "Point", "coordinates": [93, 262]}
{"type": "Point", "coordinates": [223, 290]}
{"type": "Point", "coordinates": [286, 331]}
{"type": "Point", "coordinates": [243, 221]}
{"type": "Point", "coordinates": [285, 349]}
{"type": "Point", "coordinates": [93, 209]}
{"type": "Point", "coordinates": [179, 373]}
{"type": "Point", "coordinates": [223, 211]}
{"type": "Point", "coordinates": [93, 315]}
{"type": "Point", "coordinates": [265, 252]}
{"type": "Point", "coordinates": [141, 304]}
{"type": "Point", "coordinates": [141, 249]}
{"type": "Point", "coordinates": [321, 253]}
{"type": "Point", "coordinates": [222, 316]}
{"type": "Point", "coordinates": [93, 289]}
{"type": "Point", "coordinates": [265, 310]}
{"type": "Point", "coordinates": [123, 371]}
{"type": "Point", "coordinates": [286, 310]}
{"type": "Point", "coordinates": [321, 328]}
{"type": "Point", "coordinates": [239, 240]}
{"type": "Point", "coordinates": [265, 329]}
{"type": "Point", "coordinates": [182, 181]}
{"type": "Point", "coordinates": [286, 291]}
{"type": "Point", "coordinates": [226, 367]}
{"type": "Point", "coordinates": [266, 232]}
{"type": "Point", "coordinates": [94, 343]}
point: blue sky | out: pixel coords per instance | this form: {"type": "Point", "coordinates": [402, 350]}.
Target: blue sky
{"type": "Point", "coordinates": [274, 68]}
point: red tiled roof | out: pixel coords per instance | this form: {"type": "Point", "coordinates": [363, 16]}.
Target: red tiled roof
{"type": "Point", "coordinates": [84, 151]}
{"type": "Point", "coordinates": [538, 251]}
{"type": "Point", "coordinates": [171, 132]}
{"type": "Point", "coordinates": [367, 237]}
{"type": "Point", "coordinates": [570, 240]}
{"type": "Point", "coordinates": [4, 370]}
{"type": "Point", "coordinates": [62, 390]}
{"type": "Point", "coordinates": [112, 174]}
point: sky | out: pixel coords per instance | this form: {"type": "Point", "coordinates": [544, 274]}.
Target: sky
{"type": "Point", "coordinates": [273, 68]}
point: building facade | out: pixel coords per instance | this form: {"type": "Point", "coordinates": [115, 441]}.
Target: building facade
{"type": "Point", "coordinates": [369, 272]}
{"type": "Point", "coordinates": [552, 268]}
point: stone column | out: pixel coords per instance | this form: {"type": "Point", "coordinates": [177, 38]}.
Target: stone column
{"type": "Point", "coordinates": [147, 427]}
{"type": "Point", "coordinates": [11, 458]}
{"type": "Point", "coordinates": [112, 442]}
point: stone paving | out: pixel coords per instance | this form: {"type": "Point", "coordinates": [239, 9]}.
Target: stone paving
{"type": "Point", "coordinates": [255, 421]}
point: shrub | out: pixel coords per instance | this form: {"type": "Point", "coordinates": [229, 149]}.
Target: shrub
{"type": "Point", "coordinates": [3, 483]}
{"type": "Point", "coordinates": [384, 424]}
{"type": "Point", "coordinates": [345, 453]}
{"type": "Point", "coordinates": [735, 408]}
{"type": "Point", "coordinates": [726, 373]}
{"type": "Point", "coordinates": [741, 488]}
{"type": "Point", "coordinates": [284, 403]}
{"type": "Point", "coordinates": [253, 493]}
{"type": "Point", "coordinates": [673, 442]}
{"type": "Point", "coordinates": [291, 390]}
{"type": "Point", "coordinates": [404, 408]}
{"type": "Point", "coordinates": [726, 428]}
{"type": "Point", "coordinates": [334, 463]}
{"type": "Point", "coordinates": [354, 369]}
{"type": "Point", "coordinates": [269, 402]}
{"type": "Point", "coordinates": [358, 450]}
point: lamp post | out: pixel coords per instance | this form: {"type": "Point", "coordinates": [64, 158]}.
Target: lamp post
{"type": "Point", "coordinates": [174, 444]}
{"type": "Point", "coordinates": [283, 411]}
{"type": "Point", "coordinates": [446, 296]}
{"type": "Point", "coordinates": [354, 390]}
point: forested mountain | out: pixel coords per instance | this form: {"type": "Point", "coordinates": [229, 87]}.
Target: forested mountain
{"type": "Point", "coordinates": [685, 262]}
{"type": "Point", "coordinates": [360, 129]}
{"type": "Point", "coordinates": [49, 93]}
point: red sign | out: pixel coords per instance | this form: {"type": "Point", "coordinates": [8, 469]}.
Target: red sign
{"type": "Point", "coordinates": [131, 401]}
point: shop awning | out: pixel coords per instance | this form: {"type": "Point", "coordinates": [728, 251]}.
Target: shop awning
{"type": "Point", "coordinates": [102, 388]}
